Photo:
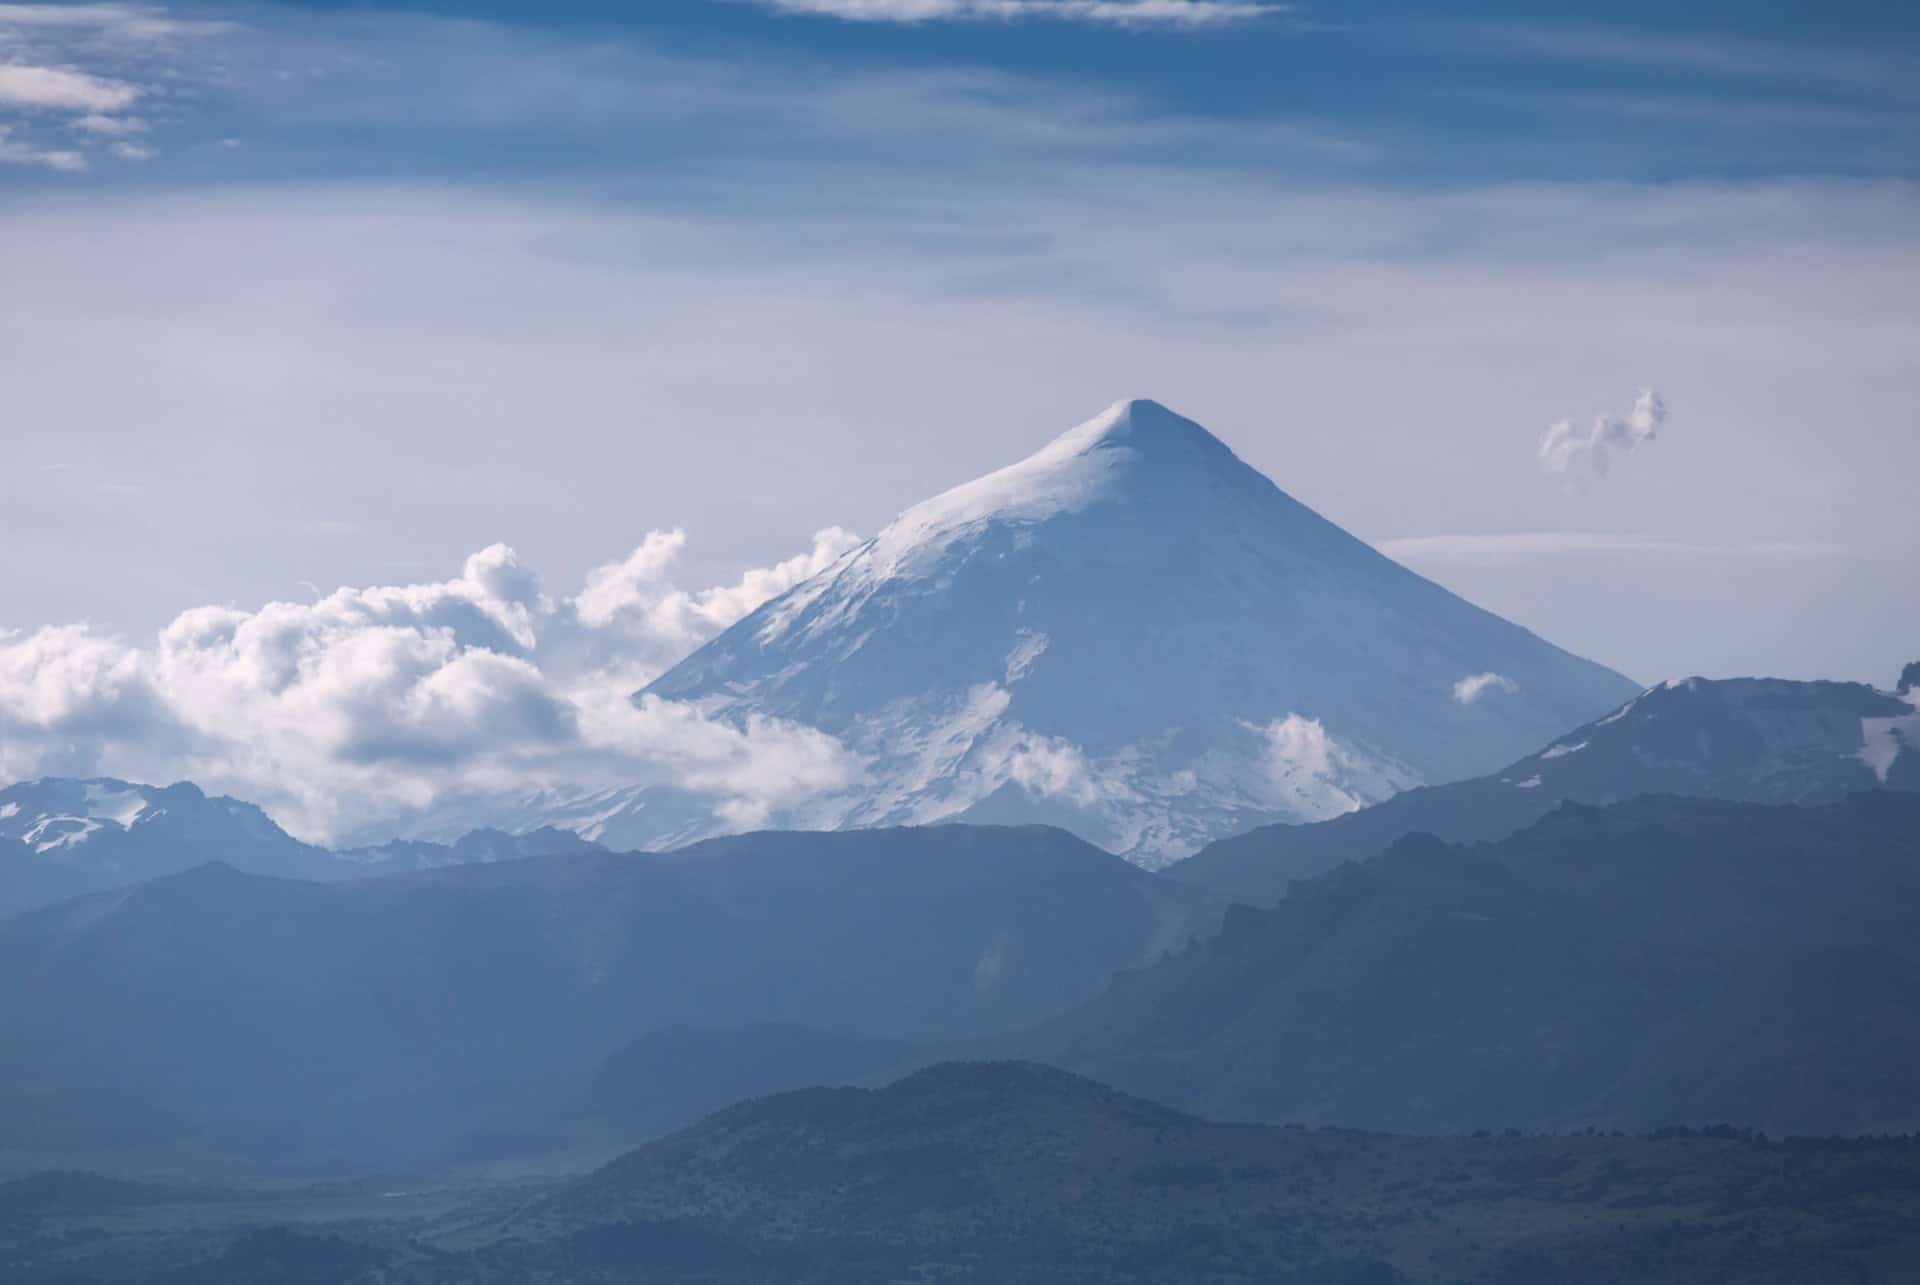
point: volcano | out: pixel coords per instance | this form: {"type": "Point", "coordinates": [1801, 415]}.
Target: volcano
{"type": "Point", "coordinates": [1134, 635]}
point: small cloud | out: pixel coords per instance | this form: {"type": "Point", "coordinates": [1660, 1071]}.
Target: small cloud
{"type": "Point", "coordinates": [1113, 13]}
{"type": "Point", "coordinates": [1585, 457]}
{"type": "Point", "coordinates": [111, 126]}
{"type": "Point", "coordinates": [57, 88]}
{"type": "Point", "coordinates": [131, 152]}
{"type": "Point", "coordinates": [1471, 688]}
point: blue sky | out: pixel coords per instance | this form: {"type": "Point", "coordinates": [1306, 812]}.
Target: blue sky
{"type": "Point", "coordinates": [300, 296]}
{"type": "Point", "coordinates": [1395, 93]}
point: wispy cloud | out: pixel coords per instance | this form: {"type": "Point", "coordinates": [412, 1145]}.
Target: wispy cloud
{"type": "Point", "coordinates": [1509, 548]}
{"type": "Point", "coordinates": [1113, 13]}
{"type": "Point", "coordinates": [129, 23]}
{"type": "Point", "coordinates": [1730, 111]}
{"type": "Point", "coordinates": [1857, 69]}
{"type": "Point", "coordinates": [14, 151]}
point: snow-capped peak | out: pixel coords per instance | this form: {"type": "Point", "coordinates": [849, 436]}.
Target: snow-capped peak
{"type": "Point", "coordinates": [1188, 606]}
{"type": "Point", "coordinates": [1089, 464]}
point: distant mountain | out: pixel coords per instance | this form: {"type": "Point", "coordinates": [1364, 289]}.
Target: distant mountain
{"type": "Point", "coordinates": [462, 1011]}
{"type": "Point", "coordinates": [62, 838]}
{"type": "Point", "coordinates": [477, 847]}
{"type": "Point", "coordinates": [1661, 961]}
{"type": "Point", "coordinates": [1011, 1172]}
{"type": "Point", "coordinates": [1130, 634]}
{"type": "Point", "coordinates": [1761, 740]}
{"type": "Point", "coordinates": [80, 836]}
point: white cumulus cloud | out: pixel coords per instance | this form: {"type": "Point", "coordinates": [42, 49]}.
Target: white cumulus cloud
{"type": "Point", "coordinates": [637, 585]}
{"type": "Point", "coordinates": [368, 705]}
{"type": "Point", "coordinates": [1585, 457]}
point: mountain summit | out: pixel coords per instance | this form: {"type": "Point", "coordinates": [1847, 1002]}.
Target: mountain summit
{"type": "Point", "coordinates": [1134, 635]}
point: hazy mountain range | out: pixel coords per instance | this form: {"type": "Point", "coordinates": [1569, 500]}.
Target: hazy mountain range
{"type": "Point", "coordinates": [291, 1025]}
{"type": "Point", "coordinates": [1653, 963]}
{"type": "Point", "coordinates": [1660, 961]}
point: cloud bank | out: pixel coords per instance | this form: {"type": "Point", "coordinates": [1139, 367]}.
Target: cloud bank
{"type": "Point", "coordinates": [373, 704]}
{"type": "Point", "coordinates": [1585, 457]}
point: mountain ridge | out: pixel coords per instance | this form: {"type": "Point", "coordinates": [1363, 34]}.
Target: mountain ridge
{"type": "Point", "coordinates": [1763, 740]}
{"type": "Point", "coordinates": [83, 835]}
{"type": "Point", "coordinates": [1660, 961]}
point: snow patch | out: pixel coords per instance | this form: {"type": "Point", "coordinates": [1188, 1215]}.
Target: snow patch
{"type": "Point", "coordinates": [9, 811]}
{"type": "Point", "coordinates": [1027, 649]}
{"type": "Point", "coordinates": [1531, 783]}
{"type": "Point", "coordinates": [50, 834]}
{"type": "Point", "coordinates": [120, 806]}
{"type": "Point", "coordinates": [1620, 713]}
{"type": "Point", "coordinates": [1561, 751]}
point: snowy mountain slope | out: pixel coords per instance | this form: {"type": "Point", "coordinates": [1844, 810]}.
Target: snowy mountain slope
{"type": "Point", "coordinates": [1753, 740]}
{"type": "Point", "coordinates": [1133, 635]}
